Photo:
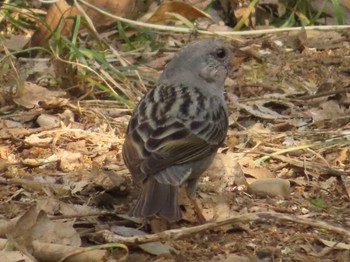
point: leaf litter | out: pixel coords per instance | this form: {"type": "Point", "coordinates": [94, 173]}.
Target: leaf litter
{"type": "Point", "coordinates": [65, 187]}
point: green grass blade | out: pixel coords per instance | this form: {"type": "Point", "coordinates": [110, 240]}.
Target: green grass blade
{"type": "Point", "coordinates": [338, 12]}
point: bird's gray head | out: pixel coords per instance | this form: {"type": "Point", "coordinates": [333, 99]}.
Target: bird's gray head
{"type": "Point", "coordinates": [203, 62]}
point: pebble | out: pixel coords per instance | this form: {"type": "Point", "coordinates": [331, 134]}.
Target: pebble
{"type": "Point", "coordinates": [270, 187]}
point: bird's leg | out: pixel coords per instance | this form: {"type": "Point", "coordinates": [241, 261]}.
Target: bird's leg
{"type": "Point", "coordinates": [191, 190]}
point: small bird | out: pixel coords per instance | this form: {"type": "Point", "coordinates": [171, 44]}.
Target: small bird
{"type": "Point", "coordinates": [177, 127]}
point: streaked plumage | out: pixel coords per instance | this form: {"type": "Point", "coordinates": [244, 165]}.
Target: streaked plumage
{"type": "Point", "coordinates": [177, 127]}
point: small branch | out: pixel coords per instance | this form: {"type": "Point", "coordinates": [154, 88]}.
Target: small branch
{"type": "Point", "coordinates": [78, 215]}
{"type": "Point", "coordinates": [318, 167]}
{"type": "Point", "coordinates": [267, 217]}
{"type": "Point", "coordinates": [36, 186]}
{"type": "Point", "coordinates": [328, 93]}
{"type": "Point", "coordinates": [221, 33]}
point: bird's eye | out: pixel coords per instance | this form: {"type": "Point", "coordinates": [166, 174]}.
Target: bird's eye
{"type": "Point", "coordinates": [220, 53]}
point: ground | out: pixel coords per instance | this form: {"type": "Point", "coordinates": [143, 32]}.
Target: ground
{"type": "Point", "coordinates": [63, 180]}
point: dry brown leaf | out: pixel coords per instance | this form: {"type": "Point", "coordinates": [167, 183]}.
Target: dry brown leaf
{"type": "Point", "coordinates": [4, 152]}
{"type": "Point", "coordinates": [50, 252]}
{"type": "Point", "coordinates": [296, 40]}
{"type": "Point", "coordinates": [61, 12]}
{"type": "Point", "coordinates": [215, 207]}
{"type": "Point", "coordinates": [259, 108]}
{"type": "Point", "coordinates": [324, 40]}
{"type": "Point", "coordinates": [54, 206]}
{"type": "Point", "coordinates": [183, 9]}
{"type": "Point", "coordinates": [222, 209]}
{"type": "Point", "coordinates": [329, 183]}
{"type": "Point", "coordinates": [78, 146]}
{"type": "Point", "coordinates": [154, 248]}
{"type": "Point", "coordinates": [37, 140]}
{"type": "Point", "coordinates": [31, 94]}
{"type": "Point", "coordinates": [335, 244]}
{"type": "Point", "coordinates": [199, 4]}
{"type": "Point", "coordinates": [221, 173]}
{"type": "Point", "coordinates": [346, 182]}
{"type": "Point", "coordinates": [258, 172]}
{"type": "Point", "coordinates": [257, 133]}
{"type": "Point", "coordinates": [246, 160]}
{"type": "Point", "coordinates": [7, 226]}
{"type": "Point", "coordinates": [71, 161]}
{"type": "Point", "coordinates": [58, 232]}
{"type": "Point", "coordinates": [24, 223]}
{"type": "Point", "coordinates": [231, 258]}
{"type": "Point", "coordinates": [10, 256]}
{"type": "Point", "coordinates": [16, 42]}
{"type": "Point", "coordinates": [328, 110]}
{"type": "Point", "coordinates": [231, 139]}
{"type": "Point", "coordinates": [35, 225]}
{"type": "Point", "coordinates": [244, 12]}
{"type": "Point", "coordinates": [159, 62]}
{"type": "Point", "coordinates": [33, 162]}
{"type": "Point", "coordinates": [221, 27]}
{"type": "Point", "coordinates": [343, 157]}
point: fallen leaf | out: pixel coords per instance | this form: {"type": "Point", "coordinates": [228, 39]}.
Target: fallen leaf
{"type": "Point", "coordinates": [221, 173]}
{"type": "Point", "coordinates": [260, 108]}
{"type": "Point", "coordinates": [154, 248]}
{"type": "Point", "coordinates": [38, 140]}
{"type": "Point", "coordinates": [329, 109]}
{"type": "Point", "coordinates": [54, 231]}
{"type": "Point", "coordinates": [60, 12]}
{"type": "Point", "coordinates": [330, 182]}
{"type": "Point", "coordinates": [31, 94]}
{"type": "Point", "coordinates": [258, 172]}
{"type": "Point", "coordinates": [343, 157]}
{"type": "Point", "coordinates": [183, 9]}
{"type": "Point", "coordinates": [50, 252]}
{"type": "Point", "coordinates": [231, 258]}
{"type": "Point", "coordinates": [71, 160]}
{"type": "Point", "coordinates": [346, 183]}
{"type": "Point", "coordinates": [335, 244]}
{"type": "Point", "coordinates": [16, 42]}
{"type": "Point", "coordinates": [78, 146]}
{"type": "Point", "coordinates": [35, 225]}
{"type": "Point", "coordinates": [14, 256]}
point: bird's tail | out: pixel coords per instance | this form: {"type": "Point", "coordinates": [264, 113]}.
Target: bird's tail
{"type": "Point", "coordinates": [157, 199]}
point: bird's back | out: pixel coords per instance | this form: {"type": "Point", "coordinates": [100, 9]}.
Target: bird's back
{"type": "Point", "coordinates": [167, 117]}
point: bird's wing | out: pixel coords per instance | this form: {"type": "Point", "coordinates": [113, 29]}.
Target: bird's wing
{"type": "Point", "coordinates": [174, 126]}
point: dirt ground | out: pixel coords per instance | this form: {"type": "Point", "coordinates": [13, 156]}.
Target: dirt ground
{"type": "Point", "coordinates": [63, 180]}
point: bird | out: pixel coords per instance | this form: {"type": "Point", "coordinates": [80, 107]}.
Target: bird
{"type": "Point", "coordinates": [176, 129]}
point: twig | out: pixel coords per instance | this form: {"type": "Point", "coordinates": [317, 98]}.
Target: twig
{"type": "Point", "coordinates": [328, 93]}
{"type": "Point", "coordinates": [320, 168]}
{"type": "Point", "coordinates": [78, 215]}
{"type": "Point", "coordinates": [90, 23]}
{"type": "Point", "coordinates": [222, 33]}
{"type": "Point", "coordinates": [266, 217]}
{"type": "Point", "coordinates": [36, 186]}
